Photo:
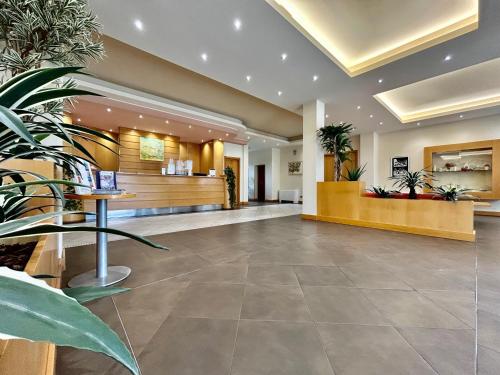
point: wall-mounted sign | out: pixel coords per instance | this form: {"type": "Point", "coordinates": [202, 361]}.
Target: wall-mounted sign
{"type": "Point", "coordinates": [151, 149]}
{"type": "Point", "coordinates": [399, 165]}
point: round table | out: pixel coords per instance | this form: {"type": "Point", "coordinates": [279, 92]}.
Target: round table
{"type": "Point", "coordinates": [102, 275]}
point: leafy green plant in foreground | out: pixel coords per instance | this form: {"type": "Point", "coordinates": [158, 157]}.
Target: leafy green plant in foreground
{"type": "Point", "coordinates": [451, 192]}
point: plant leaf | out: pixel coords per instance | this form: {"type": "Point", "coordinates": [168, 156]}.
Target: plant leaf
{"type": "Point", "coordinates": [89, 293]}
{"type": "Point", "coordinates": [36, 313]}
{"type": "Point", "coordinates": [14, 123]}
{"type": "Point", "coordinates": [53, 228]}
{"type": "Point", "coordinates": [53, 94]}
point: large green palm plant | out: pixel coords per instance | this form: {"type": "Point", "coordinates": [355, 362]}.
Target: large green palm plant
{"type": "Point", "coordinates": [31, 310]}
{"type": "Point", "coordinates": [335, 139]}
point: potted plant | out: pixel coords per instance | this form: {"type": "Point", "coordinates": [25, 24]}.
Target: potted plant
{"type": "Point", "coordinates": [27, 310]}
{"type": "Point", "coordinates": [412, 181]}
{"type": "Point", "coordinates": [451, 192]}
{"type": "Point", "coordinates": [355, 173]}
{"type": "Point", "coordinates": [231, 186]}
{"type": "Point", "coordinates": [381, 191]}
{"type": "Point", "coordinates": [335, 140]}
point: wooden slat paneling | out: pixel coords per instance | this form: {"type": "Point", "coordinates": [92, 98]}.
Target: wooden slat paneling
{"type": "Point", "coordinates": [129, 151]}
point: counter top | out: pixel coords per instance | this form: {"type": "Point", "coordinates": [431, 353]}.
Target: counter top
{"type": "Point", "coordinates": [163, 175]}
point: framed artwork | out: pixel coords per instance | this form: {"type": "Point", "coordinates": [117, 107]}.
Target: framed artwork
{"type": "Point", "coordinates": [399, 165]}
{"type": "Point", "coordinates": [294, 168]}
{"type": "Point", "coordinates": [151, 149]}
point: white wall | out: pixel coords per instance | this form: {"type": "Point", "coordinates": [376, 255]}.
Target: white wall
{"type": "Point", "coordinates": [288, 182]}
{"type": "Point", "coordinates": [264, 157]}
{"type": "Point", "coordinates": [239, 151]}
{"type": "Point", "coordinates": [411, 142]}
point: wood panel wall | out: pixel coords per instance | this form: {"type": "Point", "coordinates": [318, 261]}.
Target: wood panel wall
{"type": "Point", "coordinates": [191, 151]}
{"type": "Point", "coordinates": [129, 151]}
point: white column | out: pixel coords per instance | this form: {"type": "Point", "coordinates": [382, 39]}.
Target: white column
{"type": "Point", "coordinates": [244, 179]}
{"type": "Point", "coordinates": [368, 154]}
{"type": "Point", "coordinates": [275, 170]}
{"type": "Point", "coordinates": [313, 118]}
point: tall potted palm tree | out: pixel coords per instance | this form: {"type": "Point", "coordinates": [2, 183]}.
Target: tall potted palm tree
{"type": "Point", "coordinates": [335, 139]}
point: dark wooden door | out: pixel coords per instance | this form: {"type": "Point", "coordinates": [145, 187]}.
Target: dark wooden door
{"type": "Point", "coordinates": [261, 183]}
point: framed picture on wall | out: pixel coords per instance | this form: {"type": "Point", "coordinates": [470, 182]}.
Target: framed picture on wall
{"type": "Point", "coordinates": [151, 149]}
{"type": "Point", "coordinates": [294, 168]}
{"type": "Point", "coordinates": [399, 165]}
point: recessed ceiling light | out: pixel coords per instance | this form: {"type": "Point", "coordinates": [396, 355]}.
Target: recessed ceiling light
{"type": "Point", "coordinates": [380, 80]}
{"type": "Point", "coordinates": [190, 126]}
{"type": "Point", "coordinates": [326, 116]}
{"type": "Point", "coordinates": [315, 78]}
{"type": "Point", "coordinates": [167, 122]}
{"type": "Point", "coordinates": [110, 130]}
{"type": "Point", "coordinates": [79, 119]}
{"type": "Point", "coordinates": [283, 56]}
{"type": "Point", "coordinates": [203, 140]}
{"type": "Point", "coordinates": [248, 137]}
{"type": "Point", "coordinates": [170, 133]}
{"type": "Point", "coordinates": [204, 56]}
{"type": "Point", "coordinates": [210, 130]}
{"type": "Point", "coordinates": [381, 123]}
{"type": "Point", "coordinates": [249, 78]}
{"type": "Point", "coordinates": [220, 139]}
{"type": "Point", "coordinates": [237, 24]}
{"type": "Point", "coordinates": [358, 107]}
{"type": "Point", "coordinates": [135, 127]}
{"type": "Point", "coordinates": [139, 25]}
{"type": "Point", "coordinates": [280, 93]}
{"type": "Point", "coordinates": [418, 123]}
{"type": "Point", "coordinates": [227, 134]}
{"type": "Point", "coordinates": [371, 116]}
{"type": "Point", "coordinates": [141, 116]}
{"type": "Point", "coordinates": [461, 116]}
{"type": "Point", "coordinates": [154, 130]}
{"type": "Point", "coordinates": [108, 109]}
{"type": "Point", "coordinates": [264, 141]}
{"type": "Point", "coordinates": [447, 58]}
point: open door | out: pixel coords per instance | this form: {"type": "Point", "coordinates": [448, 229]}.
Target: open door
{"type": "Point", "coordinates": [261, 183]}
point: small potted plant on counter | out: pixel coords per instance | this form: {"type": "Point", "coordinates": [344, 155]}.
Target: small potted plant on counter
{"type": "Point", "coordinates": [355, 173]}
{"type": "Point", "coordinates": [381, 191]}
{"type": "Point", "coordinates": [452, 193]}
{"type": "Point", "coordinates": [412, 181]}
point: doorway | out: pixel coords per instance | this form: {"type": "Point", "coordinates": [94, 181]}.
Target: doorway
{"type": "Point", "coordinates": [261, 183]}
{"type": "Point", "coordinates": [234, 163]}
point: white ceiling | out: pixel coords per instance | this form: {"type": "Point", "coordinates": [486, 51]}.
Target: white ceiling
{"type": "Point", "coordinates": [180, 31]}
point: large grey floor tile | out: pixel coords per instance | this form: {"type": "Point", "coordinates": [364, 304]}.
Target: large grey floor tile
{"type": "Point", "coordinates": [279, 348]}
{"type": "Point", "coordinates": [488, 361]}
{"type": "Point", "coordinates": [284, 256]}
{"type": "Point", "coordinates": [221, 273]}
{"type": "Point", "coordinates": [187, 346]}
{"type": "Point", "coordinates": [373, 276]}
{"type": "Point", "coordinates": [274, 302]}
{"type": "Point", "coordinates": [271, 275]}
{"type": "Point", "coordinates": [488, 330]}
{"type": "Point", "coordinates": [459, 303]}
{"type": "Point", "coordinates": [370, 350]}
{"type": "Point", "coordinates": [219, 301]}
{"type": "Point", "coordinates": [410, 309]}
{"type": "Point", "coordinates": [143, 310]}
{"type": "Point", "coordinates": [341, 305]}
{"type": "Point", "coordinates": [320, 276]}
{"type": "Point", "coordinates": [449, 351]}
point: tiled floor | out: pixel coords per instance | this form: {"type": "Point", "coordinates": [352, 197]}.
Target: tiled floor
{"type": "Point", "coordinates": [290, 297]}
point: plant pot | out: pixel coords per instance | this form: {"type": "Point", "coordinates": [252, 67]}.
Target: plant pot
{"type": "Point", "coordinates": [22, 357]}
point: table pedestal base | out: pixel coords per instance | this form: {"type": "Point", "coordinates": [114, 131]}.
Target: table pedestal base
{"type": "Point", "coordinates": [115, 275]}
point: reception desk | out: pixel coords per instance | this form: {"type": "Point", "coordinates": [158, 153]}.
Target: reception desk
{"type": "Point", "coordinates": [155, 192]}
{"type": "Point", "coordinates": [344, 203]}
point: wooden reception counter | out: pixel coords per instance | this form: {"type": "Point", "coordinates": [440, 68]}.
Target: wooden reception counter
{"type": "Point", "coordinates": [154, 191]}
